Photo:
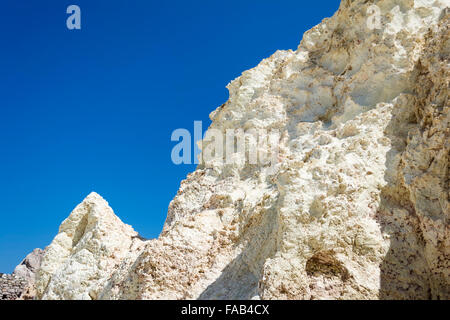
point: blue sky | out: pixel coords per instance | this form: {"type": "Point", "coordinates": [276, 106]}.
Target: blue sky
{"type": "Point", "coordinates": [93, 109]}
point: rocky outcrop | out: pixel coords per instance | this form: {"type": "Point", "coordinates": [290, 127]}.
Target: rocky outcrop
{"type": "Point", "coordinates": [356, 206]}
{"type": "Point", "coordinates": [20, 284]}
{"type": "Point", "coordinates": [416, 199]}
{"type": "Point", "coordinates": [91, 245]}
{"type": "Point", "coordinates": [11, 286]}
{"type": "Point", "coordinates": [29, 266]}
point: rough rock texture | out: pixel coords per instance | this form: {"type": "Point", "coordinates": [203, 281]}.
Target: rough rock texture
{"type": "Point", "coordinates": [356, 208]}
{"type": "Point", "coordinates": [20, 284]}
{"type": "Point", "coordinates": [90, 245]}
{"type": "Point", "coordinates": [11, 286]}
{"type": "Point", "coordinates": [29, 266]}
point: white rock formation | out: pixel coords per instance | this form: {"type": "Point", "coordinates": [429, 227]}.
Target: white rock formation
{"type": "Point", "coordinates": [90, 245]}
{"type": "Point", "coordinates": [357, 207]}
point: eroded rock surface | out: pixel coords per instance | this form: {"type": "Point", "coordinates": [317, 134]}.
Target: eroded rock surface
{"type": "Point", "coordinates": [91, 244]}
{"type": "Point", "coordinates": [356, 208]}
{"type": "Point", "coordinates": [11, 286]}
{"type": "Point", "coordinates": [29, 266]}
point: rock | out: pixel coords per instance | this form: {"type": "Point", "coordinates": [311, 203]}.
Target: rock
{"type": "Point", "coordinates": [20, 284]}
{"type": "Point", "coordinates": [356, 207]}
{"type": "Point", "coordinates": [11, 286]}
{"type": "Point", "coordinates": [91, 244]}
{"type": "Point", "coordinates": [28, 267]}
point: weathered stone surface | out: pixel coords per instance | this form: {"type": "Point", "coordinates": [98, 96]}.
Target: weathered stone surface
{"type": "Point", "coordinates": [11, 286]}
{"type": "Point", "coordinates": [20, 284]}
{"type": "Point", "coordinates": [28, 267]}
{"type": "Point", "coordinates": [91, 244]}
{"type": "Point", "coordinates": [356, 208]}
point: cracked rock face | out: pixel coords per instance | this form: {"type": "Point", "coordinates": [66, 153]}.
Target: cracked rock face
{"type": "Point", "coordinates": [356, 208]}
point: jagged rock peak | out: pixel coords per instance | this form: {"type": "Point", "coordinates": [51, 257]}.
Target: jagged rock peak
{"type": "Point", "coordinates": [91, 242]}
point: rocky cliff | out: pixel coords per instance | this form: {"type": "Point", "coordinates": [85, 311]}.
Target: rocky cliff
{"type": "Point", "coordinates": [356, 206]}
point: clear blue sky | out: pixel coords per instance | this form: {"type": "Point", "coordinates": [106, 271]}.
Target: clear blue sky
{"type": "Point", "coordinates": [93, 110]}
